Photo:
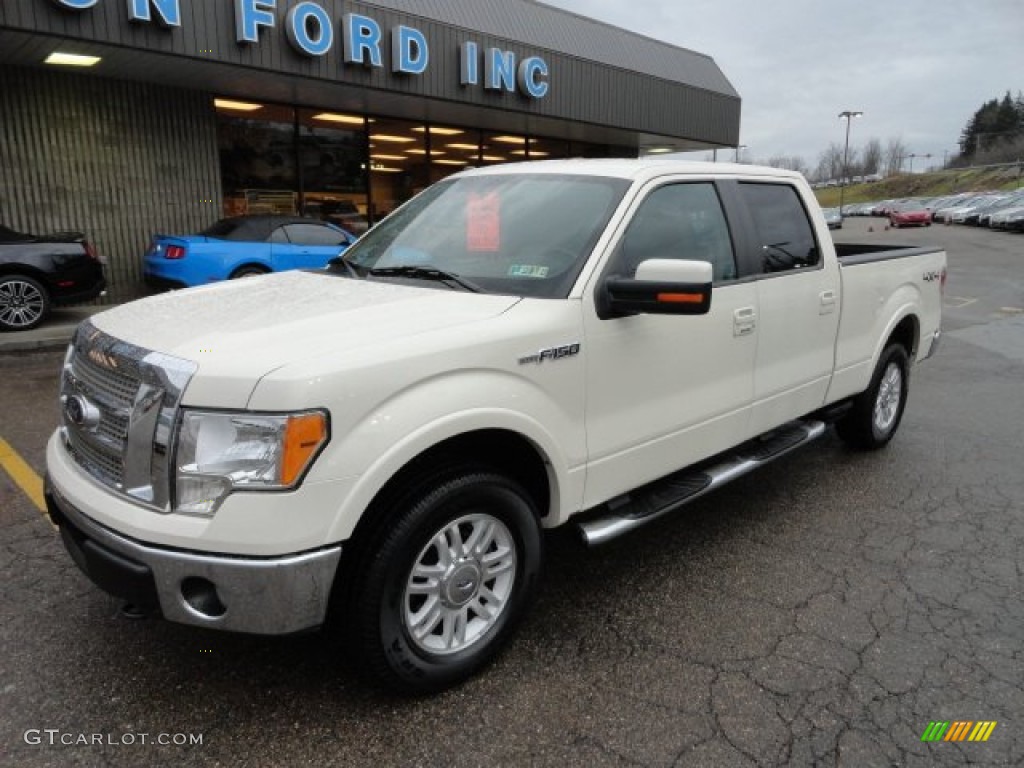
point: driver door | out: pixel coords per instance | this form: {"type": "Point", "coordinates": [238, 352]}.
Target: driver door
{"type": "Point", "coordinates": [665, 391]}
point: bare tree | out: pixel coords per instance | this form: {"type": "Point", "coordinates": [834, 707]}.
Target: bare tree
{"type": "Point", "coordinates": [871, 157]}
{"type": "Point", "coordinates": [789, 163]}
{"type": "Point", "coordinates": [852, 165]}
{"type": "Point", "coordinates": [830, 163]}
{"type": "Point", "coordinates": [895, 151]}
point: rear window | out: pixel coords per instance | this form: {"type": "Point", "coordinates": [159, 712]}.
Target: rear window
{"type": "Point", "coordinates": [225, 229]}
{"type": "Point", "coordinates": [786, 238]}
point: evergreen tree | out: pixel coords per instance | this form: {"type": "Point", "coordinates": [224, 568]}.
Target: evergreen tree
{"type": "Point", "coordinates": [996, 122]}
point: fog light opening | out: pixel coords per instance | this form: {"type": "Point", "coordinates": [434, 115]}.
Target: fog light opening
{"type": "Point", "coordinates": [201, 596]}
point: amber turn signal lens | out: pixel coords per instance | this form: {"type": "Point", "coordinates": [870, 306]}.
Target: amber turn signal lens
{"type": "Point", "coordinates": [303, 437]}
{"type": "Point", "coordinates": [680, 298]}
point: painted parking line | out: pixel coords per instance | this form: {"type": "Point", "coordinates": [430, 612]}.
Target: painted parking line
{"type": "Point", "coordinates": [24, 477]}
{"type": "Point", "coordinates": [958, 302]}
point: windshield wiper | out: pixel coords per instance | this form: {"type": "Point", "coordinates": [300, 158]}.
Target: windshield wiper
{"type": "Point", "coordinates": [426, 273]}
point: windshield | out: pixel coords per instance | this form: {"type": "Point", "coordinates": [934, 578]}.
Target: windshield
{"type": "Point", "coordinates": [519, 234]}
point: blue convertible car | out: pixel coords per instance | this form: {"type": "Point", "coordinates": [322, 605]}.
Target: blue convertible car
{"type": "Point", "coordinates": [241, 247]}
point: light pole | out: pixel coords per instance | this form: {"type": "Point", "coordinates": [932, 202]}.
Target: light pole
{"type": "Point", "coordinates": [848, 115]}
{"type": "Point", "coordinates": [739, 147]}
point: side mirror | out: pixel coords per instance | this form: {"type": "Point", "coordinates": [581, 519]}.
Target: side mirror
{"type": "Point", "coordinates": [660, 287]}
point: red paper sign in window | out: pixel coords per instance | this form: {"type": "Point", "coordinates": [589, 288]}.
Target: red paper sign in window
{"type": "Point", "coordinates": [483, 223]}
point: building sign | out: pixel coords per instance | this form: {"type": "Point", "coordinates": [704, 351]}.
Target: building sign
{"type": "Point", "coordinates": [312, 32]}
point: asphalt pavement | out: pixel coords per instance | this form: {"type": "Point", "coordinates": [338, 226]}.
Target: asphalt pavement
{"type": "Point", "coordinates": [822, 612]}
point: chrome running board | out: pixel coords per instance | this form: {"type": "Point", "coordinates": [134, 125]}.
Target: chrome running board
{"type": "Point", "coordinates": [652, 501]}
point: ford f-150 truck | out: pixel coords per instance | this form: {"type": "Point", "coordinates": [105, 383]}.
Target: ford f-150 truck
{"type": "Point", "coordinates": [516, 348]}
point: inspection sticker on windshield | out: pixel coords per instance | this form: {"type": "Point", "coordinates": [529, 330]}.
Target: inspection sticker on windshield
{"type": "Point", "coordinates": [527, 270]}
{"type": "Point", "coordinates": [483, 223]}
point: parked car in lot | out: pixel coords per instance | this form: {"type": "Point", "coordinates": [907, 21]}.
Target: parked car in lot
{"type": "Point", "coordinates": [833, 218]}
{"type": "Point", "coordinates": [883, 207]}
{"type": "Point", "coordinates": [984, 216]}
{"type": "Point", "coordinates": [969, 214]}
{"type": "Point", "coordinates": [1011, 219]}
{"type": "Point", "coordinates": [242, 246]}
{"type": "Point", "coordinates": [945, 213]}
{"type": "Point", "coordinates": [38, 272]}
{"type": "Point", "coordinates": [910, 213]}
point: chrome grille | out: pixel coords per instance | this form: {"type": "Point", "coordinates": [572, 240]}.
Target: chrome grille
{"type": "Point", "coordinates": [117, 385]}
{"type": "Point", "coordinates": [105, 466]}
{"type": "Point", "coordinates": [118, 402]}
{"type": "Point", "coordinates": [100, 450]}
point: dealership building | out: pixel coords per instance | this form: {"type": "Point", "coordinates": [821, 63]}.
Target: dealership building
{"type": "Point", "coordinates": [126, 118]}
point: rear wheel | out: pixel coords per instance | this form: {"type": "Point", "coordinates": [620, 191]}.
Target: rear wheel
{"type": "Point", "coordinates": [438, 592]}
{"type": "Point", "coordinates": [877, 412]}
{"type": "Point", "coordinates": [24, 303]}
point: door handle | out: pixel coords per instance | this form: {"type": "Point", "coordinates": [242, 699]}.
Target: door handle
{"type": "Point", "coordinates": [827, 303]}
{"type": "Point", "coordinates": [744, 320]}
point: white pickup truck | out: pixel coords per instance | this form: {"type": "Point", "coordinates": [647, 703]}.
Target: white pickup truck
{"type": "Point", "coordinates": [516, 348]}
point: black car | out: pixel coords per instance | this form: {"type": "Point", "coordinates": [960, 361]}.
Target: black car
{"type": "Point", "coordinates": [38, 272]}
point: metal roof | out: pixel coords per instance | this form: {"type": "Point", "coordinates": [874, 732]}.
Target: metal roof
{"type": "Point", "coordinates": [546, 27]}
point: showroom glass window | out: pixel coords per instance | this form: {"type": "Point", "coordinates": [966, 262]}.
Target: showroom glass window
{"type": "Point", "coordinates": [332, 168]}
{"type": "Point", "coordinates": [257, 158]}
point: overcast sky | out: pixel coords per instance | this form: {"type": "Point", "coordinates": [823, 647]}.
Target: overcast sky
{"type": "Point", "coordinates": [917, 69]}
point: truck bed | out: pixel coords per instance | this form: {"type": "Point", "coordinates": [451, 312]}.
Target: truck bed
{"type": "Point", "coordinates": [852, 254]}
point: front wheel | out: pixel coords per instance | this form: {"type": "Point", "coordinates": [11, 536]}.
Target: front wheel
{"type": "Point", "coordinates": [877, 411]}
{"type": "Point", "coordinates": [441, 589]}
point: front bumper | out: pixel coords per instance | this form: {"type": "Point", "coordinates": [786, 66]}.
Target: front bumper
{"type": "Point", "coordinates": [268, 596]}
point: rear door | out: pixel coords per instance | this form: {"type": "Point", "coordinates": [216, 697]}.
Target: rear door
{"type": "Point", "coordinates": [798, 295]}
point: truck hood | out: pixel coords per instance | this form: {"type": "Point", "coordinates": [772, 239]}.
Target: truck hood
{"type": "Point", "coordinates": [240, 330]}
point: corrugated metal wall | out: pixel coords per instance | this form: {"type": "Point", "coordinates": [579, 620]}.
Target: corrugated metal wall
{"type": "Point", "coordinates": [116, 160]}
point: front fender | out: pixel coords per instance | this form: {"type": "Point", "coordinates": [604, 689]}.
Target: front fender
{"type": "Point", "coordinates": [376, 446]}
{"type": "Point", "coordinates": [566, 484]}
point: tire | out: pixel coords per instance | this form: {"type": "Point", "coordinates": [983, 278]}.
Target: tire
{"type": "Point", "coordinates": [877, 412]}
{"type": "Point", "coordinates": [24, 303]}
{"type": "Point", "coordinates": [250, 270]}
{"type": "Point", "coordinates": [428, 607]}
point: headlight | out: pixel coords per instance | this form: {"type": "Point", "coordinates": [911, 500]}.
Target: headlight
{"type": "Point", "coordinates": [218, 453]}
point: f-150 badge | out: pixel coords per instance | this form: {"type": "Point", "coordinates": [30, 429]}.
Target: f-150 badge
{"type": "Point", "coordinates": [551, 354]}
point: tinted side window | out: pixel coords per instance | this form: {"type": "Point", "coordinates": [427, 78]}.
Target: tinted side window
{"type": "Point", "coordinates": [278, 236]}
{"type": "Point", "coordinates": [783, 229]}
{"type": "Point", "coordinates": [314, 234]}
{"type": "Point", "coordinates": [678, 221]}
